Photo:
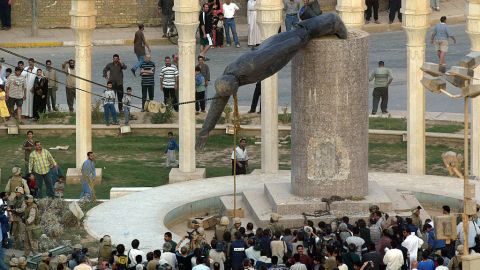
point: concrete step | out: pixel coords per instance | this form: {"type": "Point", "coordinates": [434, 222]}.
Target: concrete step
{"type": "Point", "coordinates": [284, 202]}
{"type": "Point", "coordinates": [413, 202]}
{"type": "Point", "coordinates": [398, 201]}
{"type": "Point", "coordinates": [258, 205]}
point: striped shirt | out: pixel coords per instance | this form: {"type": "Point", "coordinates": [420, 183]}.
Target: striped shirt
{"type": "Point", "coordinates": [148, 79]}
{"type": "Point", "coordinates": [168, 76]}
{"type": "Point", "coordinates": [41, 162]}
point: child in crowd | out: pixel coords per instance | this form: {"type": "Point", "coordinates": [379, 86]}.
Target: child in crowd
{"type": "Point", "coordinates": [59, 187]}
{"type": "Point", "coordinates": [218, 27]}
{"type": "Point", "coordinates": [3, 105]}
{"type": "Point", "coordinates": [109, 104]}
{"type": "Point", "coordinates": [32, 185]}
{"type": "Point", "coordinates": [199, 90]}
{"type": "Point", "coordinates": [127, 99]}
{"type": "Point", "coordinates": [170, 151]}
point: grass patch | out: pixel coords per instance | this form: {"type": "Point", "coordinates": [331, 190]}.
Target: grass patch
{"type": "Point", "coordinates": [445, 128]}
{"type": "Point", "coordinates": [387, 123]}
{"type": "Point", "coordinates": [135, 161]}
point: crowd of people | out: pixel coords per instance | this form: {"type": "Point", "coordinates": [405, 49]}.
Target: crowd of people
{"type": "Point", "coordinates": [379, 242]}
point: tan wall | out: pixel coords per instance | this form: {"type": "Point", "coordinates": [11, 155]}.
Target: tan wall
{"type": "Point", "coordinates": [55, 13]}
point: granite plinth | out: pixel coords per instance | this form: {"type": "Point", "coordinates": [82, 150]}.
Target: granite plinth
{"type": "Point", "coordinates": [176, 175]}
{"type": "Point", "coordinates": [230, 209]}
{"type": "Point", "coordinates": [330, 117]}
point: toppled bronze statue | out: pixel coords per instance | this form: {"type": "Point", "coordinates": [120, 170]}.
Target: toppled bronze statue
{"type": "Point", "coordinates": [267, 59]}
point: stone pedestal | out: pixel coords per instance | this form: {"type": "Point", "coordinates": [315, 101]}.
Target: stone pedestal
{"type": "Point", "coordinates": [415, 23]}
{"type": "Point", "coordinates": [176, 175]}
{"type": "Point", "coordinates": [186, 14]}
{"type": "Point", "coordinates": [471, 262]}
{"type": "Point", "coordinates": [83, 23]}
{"type": "Point", "coordinates": [269, 18]}
{"type": "Point", "coordinates": [473, 31]}
{"type": "Point", "coordinates": [330, 117]}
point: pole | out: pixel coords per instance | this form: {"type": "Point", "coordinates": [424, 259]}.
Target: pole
{"type": "Point", "coordinates": [235, 129]}
{"type": "Point", "coordinates": [465, 177]}
{"type": "Point", "coordinates": [34, 19]}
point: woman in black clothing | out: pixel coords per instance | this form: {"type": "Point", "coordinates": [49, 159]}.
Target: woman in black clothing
{"type": "Point", "coordinates": [40, 90]}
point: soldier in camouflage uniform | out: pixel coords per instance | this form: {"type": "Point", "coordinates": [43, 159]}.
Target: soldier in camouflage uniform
{"type": "Point", "coordinates": [16, 209]}
{"type": "Point", "coordinates": [13, 264]}
{"type": "Point", "coordinates": [32, 226]}
{"type": "Point", "coordinates": [416, 220]}
{"type": "Point", "coordinates": [274, 226]}
{"type": "Point", "coordinates": [16, 181]}
{"type": "Point", "coordinates": [237, 223]}
{"type": "Point", "coordinates": [221, 228]}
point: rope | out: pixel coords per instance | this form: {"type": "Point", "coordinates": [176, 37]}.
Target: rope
{"type": "Point", "coordinates": [90, 81]}
{"type": "Point", "coordinates": [98, 95]}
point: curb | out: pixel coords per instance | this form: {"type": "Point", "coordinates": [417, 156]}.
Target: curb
{"type": "Point", "coordinates": [370, 28]}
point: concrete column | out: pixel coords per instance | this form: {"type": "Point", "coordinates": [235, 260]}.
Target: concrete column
{"type": "Point", "coordinates": [269, 18]}
{"type": "Point", "coordinates": [186, 21]}
{"type": "Point", "coordinates": [473, 31]}
{"type": "Point", "coordinates": [415, 23]}
{"type": "Point", "coordinates": [83, 23]}
{"type": "Point", "coordinates": [331, 146]}
{"type": "Point", "coordinates": [352, 12]}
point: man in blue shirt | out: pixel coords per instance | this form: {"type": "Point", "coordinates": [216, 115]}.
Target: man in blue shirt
{"type": "Point", "coordinates": [433, 243]}
{"type": "Point", "coordinates": [440, 35]}
{"type": "Point", "coordinates": [426, 263]}
{"type": "Point", "coordinates": [170, 151]}
{"type": "Point", "coordinates": [88, 177]}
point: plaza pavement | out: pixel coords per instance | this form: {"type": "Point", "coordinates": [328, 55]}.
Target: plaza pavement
{"type": "Point", "coordinates": [160, 208]}
{"type": "Point", "coordinates": [57, 37]}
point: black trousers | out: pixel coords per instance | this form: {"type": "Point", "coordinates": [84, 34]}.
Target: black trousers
{"type": "Point", "coordinates": [200, 101]}
{"type": "Point", "coordinates": [146, 89]}
{"type": "Point", "coordinates": [170, 96]}
{"type": "Point", "coordinates": [219, 37]}
{"type": "Point", "coordinates": [256, 96]}
{"type": "Point", "coordinates": [39, 105]}
{"type": "Point", "coordinates": [238, 169]}
{"type": "Point", "coordinates": [372, 5]}
{"type": "Point", "coordinates": [118, 88]}
{"type": "Point", "coordinates": [380, 93]}
{"type": "Point", "coordinates": [395, 6]}
{"type": "Point", "coordinates": [5, 13]}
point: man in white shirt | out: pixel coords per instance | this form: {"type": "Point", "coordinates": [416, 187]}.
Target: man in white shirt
{"type": "Point", "coordinates": [229, 10]}
{"type": "Point", "coordinates": [30, 73]}
{"type": "Point", "coordinates": [241, 157]}
{"type": "Point", "coordinates": [473, 230]}
{"type": "Point", "coordinates": [298, 265]}
{"type": "Point", "coordinates": [168, 256]}
{"type": "Point", "coordinates": [134, 251]}
{"type": "Point", "coordinates": [440, 262]}
{"type": "Point", "coordinates": [201, 264]}
{"type": "Point", "coordinates": [3, 79]}
{"type": "Point", "coordinates": [412, 243]}
{"type": "Point", "coordinates": [393, 259]}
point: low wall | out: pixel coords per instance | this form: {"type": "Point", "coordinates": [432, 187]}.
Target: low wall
{"type": "Point", "coordinates": [380, 136]}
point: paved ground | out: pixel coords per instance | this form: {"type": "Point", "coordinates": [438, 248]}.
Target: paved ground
{"type": "Point", "coordinates": [16, 37]}
{"type": "Point", "coordinates": [158, 207]}
{"type": "Point", "coordinates": [388, 46]}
